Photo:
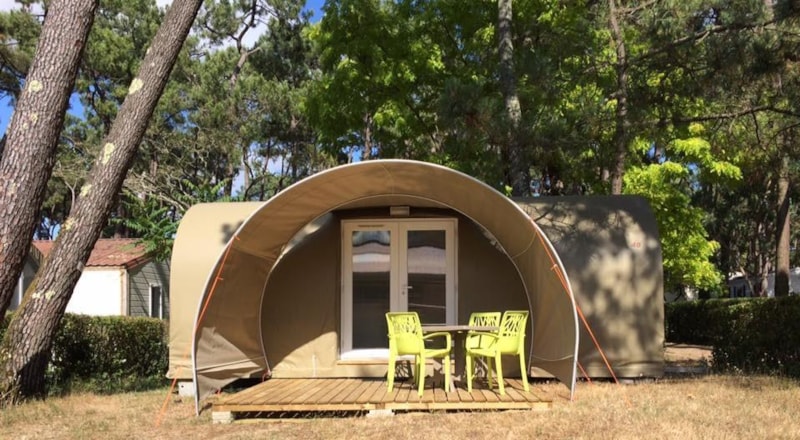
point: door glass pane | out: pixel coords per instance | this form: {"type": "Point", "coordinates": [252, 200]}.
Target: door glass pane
{"type": "Point", "coordinates": [371, 287]}
{"type": "Point", "coordinates": [427, 273]}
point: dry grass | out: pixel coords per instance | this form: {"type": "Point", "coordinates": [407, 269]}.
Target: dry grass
{"type": "Point", "coordinates": [717, 407]}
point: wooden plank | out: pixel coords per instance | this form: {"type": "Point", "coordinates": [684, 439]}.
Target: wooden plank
{"type": "Point", "coordinates": [242, 396]}
{"type": "Point", "coordinates": [515, 394]}
{"type": "Point", "coordinates": [477, 395]}
{"type": "Point", "coordinates": [439, 395]}
{"type": "Point", "coordinates": [267, 390]}
{"type": "Point", "coordinates": [289, 393]}
{"type": "Point", "coordinates": [366, 396]}
{"type": "Point", "coordinates": [428, 396]}
{"type": "Point", "coordinates": [352, 394]}
{"type": "Point", "coordinates": [390, 405]}
{"type": "Point", "coordinates": [391, 396]}
{"type": "Point", "coordinates": [325, 390]}
{"type": "Point", "coordinates": [490, 395]}
{"type": "Point", "coordinates": [376, 397]}
{"type": "Point", "coordinates": [403, 393]}
{"type": "Point", "coordinates": [359, 395]}
{"type": "Point", "coordinates": [338, 387]}
{"type": "Point", "coordinates": [464, 395]}
{"type": "Point", "coordinates": [306, 394]}
{"type": "Point", "coordinates": [534, 396]}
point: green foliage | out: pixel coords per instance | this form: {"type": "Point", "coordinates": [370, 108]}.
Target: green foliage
{"type": "Point", "coordinates": [110, 354]}
{"type": "Point", "coordinates": [686, 251]}
{"type": "Point", "coordinates": [19, 32]}
{"type": "Point", "coordinates": [698, 322]}
{"type": "Point", "coordinates": [760, 335]}
{"type": "Point", "coordinates": [153, 222]}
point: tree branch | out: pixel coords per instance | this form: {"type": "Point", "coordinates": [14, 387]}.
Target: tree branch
{"type": "Point", "coordinates": [735, 114]}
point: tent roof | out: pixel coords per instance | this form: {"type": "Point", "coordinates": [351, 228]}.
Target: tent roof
{"type": "Point", "coordinates": [226, 342]}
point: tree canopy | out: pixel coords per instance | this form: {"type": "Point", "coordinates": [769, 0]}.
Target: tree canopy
{"type": "Point", "coordinates": [692, 104]}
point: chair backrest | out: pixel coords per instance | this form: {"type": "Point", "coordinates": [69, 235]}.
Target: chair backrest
{"type": "Point", "coordinates": [512, 331]}
{"type": "Point", "coordinates": [485, 318]}
{"type": "Point", "coordinates": [405, 332]}
{"type": "Point", "coordinates": [481, 319]}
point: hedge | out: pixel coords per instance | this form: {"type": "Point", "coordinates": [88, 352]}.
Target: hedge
{"type": "Point", "coordinates": [107, 354]}
{"type": "Point", "coordinates": [754, 335]}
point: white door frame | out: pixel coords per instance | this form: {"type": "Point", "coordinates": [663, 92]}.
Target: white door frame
{"type": "Point", "coordinates": [398, 290]}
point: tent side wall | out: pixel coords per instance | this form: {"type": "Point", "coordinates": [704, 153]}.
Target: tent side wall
{"type": "Point", "coordinates": [200, 240]}
{"type": "Point", "coordinates": [610, 248]}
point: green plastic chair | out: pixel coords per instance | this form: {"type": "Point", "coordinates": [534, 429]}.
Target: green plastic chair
{"type": "Point", "coordinates": [405, 338]}
{"type": "Point", "coordinates": [508, 340]}
{"type": "Point", "coordinates": [476, 339]}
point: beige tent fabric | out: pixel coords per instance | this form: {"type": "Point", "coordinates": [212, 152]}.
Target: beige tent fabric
{"type": "Point", "coordinates": [227, 342]}
{"type": "Point", "coordinates": [611, 251]}
{"type": "Point", "coordinates": [201, 238]}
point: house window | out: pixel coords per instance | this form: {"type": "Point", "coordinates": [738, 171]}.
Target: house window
{"type": "Point", "coordinates": [156, 301]}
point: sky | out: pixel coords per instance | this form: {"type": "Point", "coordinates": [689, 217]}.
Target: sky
{"type": "Point", "coordinates": [75, 106]}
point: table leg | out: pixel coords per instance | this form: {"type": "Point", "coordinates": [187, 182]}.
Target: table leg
{"type": "Point", "coordinates": [459, 359]}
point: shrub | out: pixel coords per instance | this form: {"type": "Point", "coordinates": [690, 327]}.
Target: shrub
{"type": "Point", "coordinates": [696, 322]}
{"type": "Point", "coordinates": [109, 354]}
{"type": "Point", "coordinates": [106, 354]}
{"type": "Point", "coordinates": [757, 335]}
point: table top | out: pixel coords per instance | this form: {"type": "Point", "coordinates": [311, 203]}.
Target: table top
{"type": "Point", "coordinates": [459, 328]}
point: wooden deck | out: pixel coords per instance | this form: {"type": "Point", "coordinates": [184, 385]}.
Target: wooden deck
{"type": "Point", "coordinates": [364, 394]}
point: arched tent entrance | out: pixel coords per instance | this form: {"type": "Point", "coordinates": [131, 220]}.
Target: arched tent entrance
{"type": "Point", "coordinates": [235, 330]}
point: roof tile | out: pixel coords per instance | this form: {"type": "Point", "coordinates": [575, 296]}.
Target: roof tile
{"type": "Point", "coordinates": [107, 252]}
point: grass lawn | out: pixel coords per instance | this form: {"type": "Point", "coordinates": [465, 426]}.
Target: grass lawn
{"type": "Point", "coordinates": [704, 407]}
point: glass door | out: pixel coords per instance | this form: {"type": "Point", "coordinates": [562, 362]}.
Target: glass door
{"type": "Point", "coordinates": [426, 275]}
{"type": "Point", "coordinates": [394, 265]}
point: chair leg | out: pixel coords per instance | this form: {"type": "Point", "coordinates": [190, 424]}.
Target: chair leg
{"type": "Point", "coordinates": [524, 373]}
{"type": "Point", "coordinates": [447, 373]}
{"type": "Point", "coordinates": [498, 361]}
{"type": "Point", "coordinates": [488, 373]}
{"type": "Point", "coordinates": [470, 372]}
{"type": "Point", "coordinates": [390, 373]}
{"type": "Point", "coordinates": [421, 383]}
{"type": "Point", "coordinates": [416, 369]}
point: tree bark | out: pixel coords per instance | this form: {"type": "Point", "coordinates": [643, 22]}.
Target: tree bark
{"type": "Point", "coordinates": [24, 352]}
{"type": "Point", "coordinates": [32, 138]}
{"type": "Point", "coordinates": [519, 171]}
{"type": "Point", "coordinates": [783, 216]}
{"type": "Point", "coordinates": [620, 141]}
{"type": "Point", "coordinates": [782, 230]}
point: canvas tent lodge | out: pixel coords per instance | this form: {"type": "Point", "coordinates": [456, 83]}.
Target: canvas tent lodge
{"type": "Point", "coordinates": [297, 286]}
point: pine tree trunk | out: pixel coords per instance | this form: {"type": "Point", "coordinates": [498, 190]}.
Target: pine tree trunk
{"type": "Point", "coordinates": [24, 352]}
{"type": "Point", "coordinates": [519, 172]}
{"type": "Point", "coordinates": [782, 230]}
{"type": "Point", "coordinates": [620, 141]}
{"type": "Point", "coordinates": [32, 137]}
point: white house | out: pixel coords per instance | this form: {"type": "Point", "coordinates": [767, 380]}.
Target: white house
{"type": "Point", "coordinates": [738, 287]}
{"type": "Point", "coordinates": [118, 279]}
